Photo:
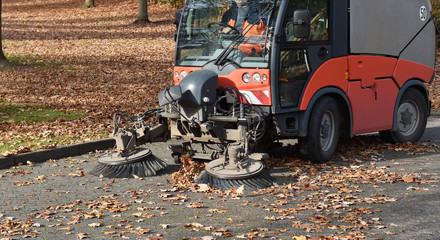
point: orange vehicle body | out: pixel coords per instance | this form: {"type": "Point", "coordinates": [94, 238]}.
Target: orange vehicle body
{"type": "Point", "coordinates": [366, 81]}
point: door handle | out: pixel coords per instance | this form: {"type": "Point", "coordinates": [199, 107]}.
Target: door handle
{"type": "Point", "coordinates": [322, 53]}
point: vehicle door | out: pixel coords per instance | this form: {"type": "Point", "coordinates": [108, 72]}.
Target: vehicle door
{"type": "Point", "coordinates": [300, 57]}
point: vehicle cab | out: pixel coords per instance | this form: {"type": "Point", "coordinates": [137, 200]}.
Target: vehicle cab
{"type": "Point", "coordinates": [317, 69]}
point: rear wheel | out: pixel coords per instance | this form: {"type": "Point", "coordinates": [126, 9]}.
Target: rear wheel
{"type": "Point", "coordinates": [323, 132]}
{"type": "Point", "coordinates": [412, 116]}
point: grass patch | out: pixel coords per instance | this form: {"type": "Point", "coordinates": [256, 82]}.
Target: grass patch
{"type": "Point", "coordinates": [34, 143]}
{"type": "Point", "coordinates": [34, 113]}
{"type": "Point", "coordinates": [39, 142]}
{"type": "Point", "coordinates": [150, 43]}
{"type": "Point", "coordinates": [11, 114]}
{"type": "Point", "coordinates": [16, 59]}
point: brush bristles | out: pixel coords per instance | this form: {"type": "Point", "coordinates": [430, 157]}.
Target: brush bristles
{"type": "Point", "coordinates": [144, 168]}
{"type": "Point", "coordinates": [261, 180]}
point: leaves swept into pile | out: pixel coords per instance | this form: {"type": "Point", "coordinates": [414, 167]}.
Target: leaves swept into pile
{"type": "Point", "coordinates": [184, 177]}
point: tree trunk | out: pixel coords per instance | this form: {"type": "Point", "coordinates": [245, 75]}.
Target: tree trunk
{"type": "Point", "coordinates": [3, 60]}
{"type": "Point", "coordinates": [89, 3]}
{"type": "Point", "coordinates": [143, 12]}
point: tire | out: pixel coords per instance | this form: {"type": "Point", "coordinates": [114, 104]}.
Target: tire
{"type": "Point", "coordinates": [412, 115]}
{"type": "Point", "coordinates": [323, 132]}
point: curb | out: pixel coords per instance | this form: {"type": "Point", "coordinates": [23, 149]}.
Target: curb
{"type": "Point", "coordinates": [435, 112]}
{"type": "Point", "coordinates": [56, 153]}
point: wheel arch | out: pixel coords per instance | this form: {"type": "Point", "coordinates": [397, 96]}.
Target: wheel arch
{"type": "Point", "coordinates": [415, 84]}
{"type": "Point", "coordinates": [343, 104]}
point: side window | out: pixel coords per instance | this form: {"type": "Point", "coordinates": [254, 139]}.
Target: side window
{"type": "Point", "coordinates": [318, 19]}
{"type": "Point", "coordinates": [294, 71]}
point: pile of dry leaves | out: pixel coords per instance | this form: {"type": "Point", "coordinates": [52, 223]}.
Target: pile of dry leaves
{"type": "Point", "coordinates": [184, 177]}
{"type": "Point", "coordinates": [91, 60]}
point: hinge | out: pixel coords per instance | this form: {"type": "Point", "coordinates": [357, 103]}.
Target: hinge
{"type": "Point", "coordinates": [279, 38]}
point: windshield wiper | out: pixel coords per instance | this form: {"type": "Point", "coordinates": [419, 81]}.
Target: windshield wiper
{"type": "Point", "coordinates": [221, 59]}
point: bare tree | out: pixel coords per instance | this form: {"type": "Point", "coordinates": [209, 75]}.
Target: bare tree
{"type": "Point", "coordinates": [3, 60]}
{"type": "Point", "coordinates": [142, 12]}
{"type": "Point", "coordinates": [89, 3]}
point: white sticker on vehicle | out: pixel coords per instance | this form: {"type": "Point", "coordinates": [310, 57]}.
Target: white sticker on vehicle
{"type": "Point", "coordinates": [423, 13]}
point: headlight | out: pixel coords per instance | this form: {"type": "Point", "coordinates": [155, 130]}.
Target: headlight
{"type": "Point", "coordinates": [183, 74]}
{"type": "Point", "coordinates": [246, 77]}
{"type": "Point", "coordinates": [256, 77]}
{"type": "Point", "coordinates": [176, 74]}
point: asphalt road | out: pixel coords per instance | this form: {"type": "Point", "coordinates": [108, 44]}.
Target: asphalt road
{"type": "Point", "coordinates": [370, 190]}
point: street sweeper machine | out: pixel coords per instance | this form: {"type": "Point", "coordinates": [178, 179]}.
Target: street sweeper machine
{"type": "Point", "coordinates": [251, 72]}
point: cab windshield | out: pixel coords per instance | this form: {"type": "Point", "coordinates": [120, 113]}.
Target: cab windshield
{"type": "Point", "coordinates": [208, 27]}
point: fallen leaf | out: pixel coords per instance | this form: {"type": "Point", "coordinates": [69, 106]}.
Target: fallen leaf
{"type": "Point", "coordinates": [81, 235]}
{"type": "Point", "coordinates": [64, 229]}
{"type": "Point", "coordinates": [196, 225]}
{"type": "Point", "coordinates": [240, 190]}
{"type": "Point", "coordinates": [208, 238]}
{"type": "Point", "coordinates": [408, 178]}
{"type": "Point", "coordinates": [94, 225]}
{"type": "Point", "coordinates": [164, 226]}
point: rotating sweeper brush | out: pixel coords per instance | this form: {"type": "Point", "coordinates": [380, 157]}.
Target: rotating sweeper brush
{"type": "Point", "coordinates": [140, 162]}
{"type": "Point", "coordinates": [236, 169]}
{"type": "Point", "coordinates": [126, 160]}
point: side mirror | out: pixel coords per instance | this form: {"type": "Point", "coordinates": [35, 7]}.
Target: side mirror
{"type": "Point", "coordinates": [301, 23]}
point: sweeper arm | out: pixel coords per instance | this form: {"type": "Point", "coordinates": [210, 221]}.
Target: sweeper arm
{"type": "Point", "coordinates": [138, 132]}
{"type": "Point", "coordinates": [127, 160]}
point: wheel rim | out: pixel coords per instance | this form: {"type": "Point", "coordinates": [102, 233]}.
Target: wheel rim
{"type": "Point", "coordinates": [327, 131]}
{"type": "Point", "coordinates": [409, 118]}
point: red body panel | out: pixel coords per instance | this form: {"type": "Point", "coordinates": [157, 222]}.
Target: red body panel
{"type": "Point", "coordinates": [330, 74]}
{"type": "Point", "coordinates": [257, 93]}
{"type": "Point", "coordinates": [406, 70]}
{"type": "Point", "coordinates": [372, 108]}
{"type": "Point", "coordinates": [180, 69]}
{"type": "Point", "coordinates": [234, 79]}
{"type": "Point", "coordinates": [372, 92]}
{"type": "Point", "coordinates": [371, 86]}
{"type": "Point", "coordinates": [368, 68]}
